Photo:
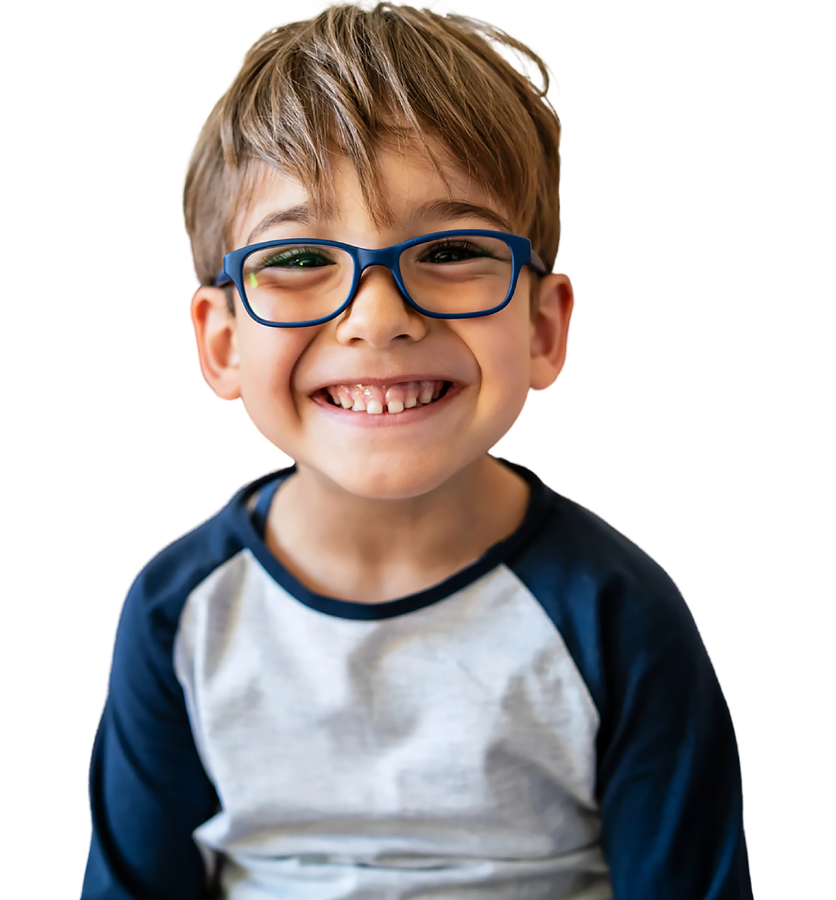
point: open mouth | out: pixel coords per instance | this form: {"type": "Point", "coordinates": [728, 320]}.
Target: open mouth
{"type": "Point", "coordinates": [415, 396]}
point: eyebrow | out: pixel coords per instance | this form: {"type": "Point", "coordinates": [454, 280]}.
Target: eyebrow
{"type": "Point", "coordinates": [302, 214]}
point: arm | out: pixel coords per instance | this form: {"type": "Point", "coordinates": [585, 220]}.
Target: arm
{"type": "Point", "coordinates": [148, 788]}
{"type": "Point", "coordinates": [668, 774]}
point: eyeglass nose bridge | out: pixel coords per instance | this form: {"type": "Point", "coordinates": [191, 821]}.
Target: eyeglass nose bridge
{"type": "Point", "coordinates": [388, 258]}
{"type": "Point", "coordinates": [385, 256]}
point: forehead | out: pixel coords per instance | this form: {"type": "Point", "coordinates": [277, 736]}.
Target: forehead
{"type": "Point", "coordinates": [416, 198]}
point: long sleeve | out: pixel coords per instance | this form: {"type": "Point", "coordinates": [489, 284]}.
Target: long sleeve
{"type": "Point", "coordinates": [668, 784]}
{"type": "Point", "coordinates": [148, 788]}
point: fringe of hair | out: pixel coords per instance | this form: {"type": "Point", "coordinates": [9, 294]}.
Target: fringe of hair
{"type": "Point", "coordinates": [348, 79]}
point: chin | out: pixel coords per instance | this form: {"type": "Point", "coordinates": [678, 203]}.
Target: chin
{"type": "Point", "coordinates": [412, 477]}
{"type": "Point", "coordinates": [388, 482]}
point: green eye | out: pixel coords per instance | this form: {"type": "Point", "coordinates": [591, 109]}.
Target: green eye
{"type": "Point", "coordinates": [298, 258]}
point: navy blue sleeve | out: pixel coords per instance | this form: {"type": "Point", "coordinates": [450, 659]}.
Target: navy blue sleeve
{"type": "Point", "coordinates": [148, 788]}
{"type": "Point", "coordinates": [668, 776]}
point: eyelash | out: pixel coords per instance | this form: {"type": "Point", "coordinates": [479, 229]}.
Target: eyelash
{"type": "Point", "coordinates": [454, 245]}
{"type": "Point", "coordinates": [294, 255]}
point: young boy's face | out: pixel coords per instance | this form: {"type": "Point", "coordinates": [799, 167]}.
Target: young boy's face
{"type": "Point", "coordinates": [282, 373]}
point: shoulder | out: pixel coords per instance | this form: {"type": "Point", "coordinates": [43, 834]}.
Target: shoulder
{"type": "Point", "coordinates": [155, 602]}
{"type": "Point", "coordinates": [573, 553]}
{"type": "Point", "coordinates": [618, 611]}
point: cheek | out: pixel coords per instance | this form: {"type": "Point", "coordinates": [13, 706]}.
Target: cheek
{"type": "Point", "coordinates": [268, 359]}
{"type": "Point", "coordinates": [503, 354]}
{"type": "Point", "coordinates": [510, 374]}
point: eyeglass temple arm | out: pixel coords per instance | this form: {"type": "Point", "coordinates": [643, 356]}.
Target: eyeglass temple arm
{"type": "Point", "coordinates": [536, 263]}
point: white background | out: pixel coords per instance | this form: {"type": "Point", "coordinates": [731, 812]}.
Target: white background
{"type": "Point", "coordinates": [695, 412]}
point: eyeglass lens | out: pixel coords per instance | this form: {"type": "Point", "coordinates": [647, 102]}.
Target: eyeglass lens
{"type": "Point", "coordinates": [456, 274]}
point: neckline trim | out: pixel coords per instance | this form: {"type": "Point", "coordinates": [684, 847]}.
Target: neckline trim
{"type": "Point", "coordinates": [251, 518]}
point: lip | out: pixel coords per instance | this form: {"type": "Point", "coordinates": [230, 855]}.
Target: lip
{"type": "Point", "coordinates": [415, 415]}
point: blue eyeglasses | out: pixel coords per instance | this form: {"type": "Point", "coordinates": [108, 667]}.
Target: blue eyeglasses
{"type": "Point", "coordinates": [459, 274]}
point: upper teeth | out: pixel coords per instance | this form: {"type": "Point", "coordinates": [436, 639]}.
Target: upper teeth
{"type": "Point", "coordinates": [372, 398]}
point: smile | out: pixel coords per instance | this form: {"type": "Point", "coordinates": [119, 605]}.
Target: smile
{"type": "Point", "coordinates": [379, 399]}
{"type": "Point", "coordinates": [370, 412]}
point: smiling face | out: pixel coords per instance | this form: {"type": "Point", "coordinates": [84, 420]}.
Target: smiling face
{"type": "Point", "coordinates": [380, 354]}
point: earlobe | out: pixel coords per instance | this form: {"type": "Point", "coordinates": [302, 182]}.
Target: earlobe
{"type": "Point", "coordinates": [217, 341]}
{"type": "Point", "coordinates": [550, 329]}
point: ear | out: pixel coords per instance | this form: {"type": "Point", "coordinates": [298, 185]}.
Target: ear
{"type": "Point", "coordinates": [217, 341]}
{"type": "Point", "coordinates": [550, 329]}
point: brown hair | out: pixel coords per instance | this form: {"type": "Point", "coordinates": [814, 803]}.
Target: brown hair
{"type": "Point", "coordinates": [348, 78]}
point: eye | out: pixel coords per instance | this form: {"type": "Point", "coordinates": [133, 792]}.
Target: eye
{"type": "Point", "coordinates": [297, 258]}
{"type": "Point", "coordinates": [451, 251]}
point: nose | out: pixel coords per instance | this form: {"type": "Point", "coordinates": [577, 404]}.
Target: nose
{"type": "Point", "coordinates": [379, 315]}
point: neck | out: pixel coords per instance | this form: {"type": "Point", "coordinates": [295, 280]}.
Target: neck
{"type": "Point", "coordinates": [461, 517]}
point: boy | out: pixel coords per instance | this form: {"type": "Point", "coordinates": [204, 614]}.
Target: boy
{"type": "Point", "coordinates": [400, 668]}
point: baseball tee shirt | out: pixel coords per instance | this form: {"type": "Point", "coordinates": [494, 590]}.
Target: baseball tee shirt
{"type": "Point", "coordinates": [543, 725]}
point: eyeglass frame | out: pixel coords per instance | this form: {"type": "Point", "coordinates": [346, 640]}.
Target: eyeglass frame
{"type": "Point", "coordinates": [388, 257]}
